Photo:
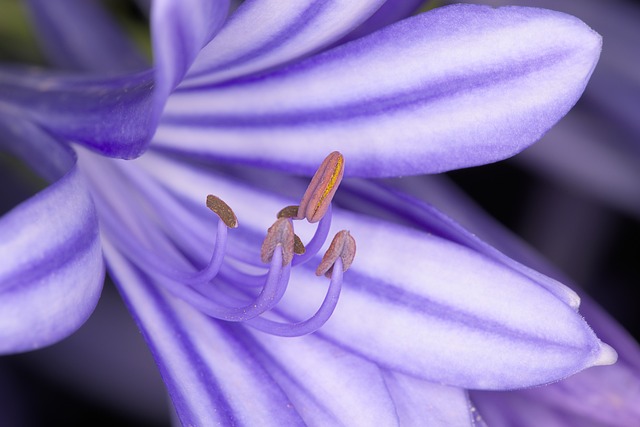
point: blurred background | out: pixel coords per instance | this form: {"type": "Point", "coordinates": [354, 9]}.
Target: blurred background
{"type": "Point", "coordinates": [574, 196]}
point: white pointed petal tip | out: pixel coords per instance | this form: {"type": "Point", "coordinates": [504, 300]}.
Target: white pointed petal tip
{"type": "Point", "coordinates": [606, 356]}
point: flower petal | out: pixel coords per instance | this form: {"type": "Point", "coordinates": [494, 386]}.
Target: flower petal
{"type": "Point", "coordinates": [211, 377]}
{"type": "Point", "coordinates": [52, 271]}
{"type": "Point", "coordinates": [390, 12]}
{"type": "Point", "coordinates": [116, 116]}
{"type": "Point", "coordinates": [423, 403]}
{"type": "Point", "coordinates": [469, 85]}
{"type": "Point", "coordinates": [421, 304]}
{"type": "Point", "coordinates": [261, 35]}
{"type": "Point", "coordinates": [431, 308]}
{"type": "Point", "coordinates": [80, 35]}
{"type": "Point", "coordinates": [606, 394]}
{"type": "Point", "coordinates": [179, 31]}
{"type": "Point", "coordinates": [511, 409]}
{"type": "Point", "coordinates": [574, 154]}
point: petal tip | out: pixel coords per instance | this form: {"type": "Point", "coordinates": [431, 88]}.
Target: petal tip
{"type": "Point", "coordinates": [606, 356]}
{"type": "Point", "coordinates": [573, 300]}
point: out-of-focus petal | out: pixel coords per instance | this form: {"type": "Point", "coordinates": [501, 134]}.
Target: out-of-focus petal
{"type": "Point", "coordinates": [467, 85]}
{"type": "Point", "coordinates": [52, 270]}
{"type": "Point", "coordinates": [587, 153]}
{"type": "Point", "coordinates": [421, 304]}
{"type": "Point", "coordinates": [505, 409]}
{"type": "Point", "coordinates": [81, 35]}
{"type": "Point", "coordinates": [261, 35]}
{"type": "Point", "coordinates": [116, 115]}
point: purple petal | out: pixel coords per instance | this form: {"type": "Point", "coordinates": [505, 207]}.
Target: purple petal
{"type": "Point", "coordinates": [592, 156]}
{"type": "Point", "coordinates": [615, 86]}
{"type": "Point", "coordinates": [81, 35]}
{"type": "Point", "coordinates": [52, 271]}
{"type": "Point", "coordinates": [212, 378]}
{"type": "Point", "coordinates": [421, 304]}
{"type": "Point", "coordinates": [428, 404]}
{"type": "Point", "coordinates": [222, 373]}
{"type": "Point", "coordinates": [500, 409]}
{"type": "Point", "coordinates": [261, 35]}
{"type": "Point", "coordinates": [606, 394]}
{"type": "Point", "coordinates": [390, 12]}
{"type": "Point", "coordinates": [457, 95]}
{"type": "Point", "coordinates": [117, 115]}
{"type": "Point", "coordinates": [179, 30]}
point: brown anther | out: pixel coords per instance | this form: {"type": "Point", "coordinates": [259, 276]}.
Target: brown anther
{"type": "Point", "coordinates": [317, 198]}
{"type": "Point", "coordinates": [298, 246]}
{"type": "Point", "coordinates": [224, 212]}
{"type": "Point", "coordinates": [343, 245]}
{"type": "Point", "coordinates": [280, 233]}
{"type": "Point", "coordinates": [288, 212]}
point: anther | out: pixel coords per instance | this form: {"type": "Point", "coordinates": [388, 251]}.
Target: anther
{"type": "Point", "coordinates": [279, 234]}
{"type": "Point", "coordinates": [298, 246]}
{"type": "Point", "coordinates": [343, 245]}
{"type": "Point", "coordinates": [317, 198]}
{"type": "Point", "coordinates": [224, 212]}
{"type": "Point", "coordinates": [288, 212]}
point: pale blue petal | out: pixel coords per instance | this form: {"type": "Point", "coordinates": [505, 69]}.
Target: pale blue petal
{"type": "Point", "coordinates": [262, 34]}
{"type": "Point", "coordinates": [421, 403]}
{"type": "Point", "coordinates": [327, 384]}
{"type": "Point", "coordinates": [52, 271]}
{"type": "Point", "coordinates": [467, 85]}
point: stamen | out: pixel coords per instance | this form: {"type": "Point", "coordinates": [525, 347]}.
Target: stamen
{"type": "Point", "coordinates": [224, 212]}
{"type": "Point", "coordinates": [280, 233]}
{"type": "Point", "coordinates": [317, 198]}
{"type": "Point", "coordinates": [288, 212]}
{"type": "Point", "coordinates": [313, 323]}
{"type": "Point", "coordinates": [317, 241]}
{"type": "Point", "coordinates": [342, 246]}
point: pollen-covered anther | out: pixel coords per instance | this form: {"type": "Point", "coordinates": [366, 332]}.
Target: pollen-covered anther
{"type": "Point", "coordinates": [323, 186]}
{"type": "Point", "coordinates": [288, 212]}
{"type": "Point", "coordinates": [298, 246]}
{"type": "Point", "coordinates": [224, 212]}
{"type": "Point", "coordinates": [279, 234]}
{"type": "Point", "coordinates": [343, 245]}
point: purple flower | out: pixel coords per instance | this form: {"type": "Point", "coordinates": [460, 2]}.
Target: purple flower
{"type": "Point", "coordinates": [424, 313]}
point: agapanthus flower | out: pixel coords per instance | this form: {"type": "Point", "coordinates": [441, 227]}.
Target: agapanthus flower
{"type": "Point", "coordinates": [422, 315]}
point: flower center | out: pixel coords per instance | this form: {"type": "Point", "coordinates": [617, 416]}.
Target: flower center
{"type": "Point", "coordinates": [282, 249]}
{"type": "Point", "coordinates": [233, 286]}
